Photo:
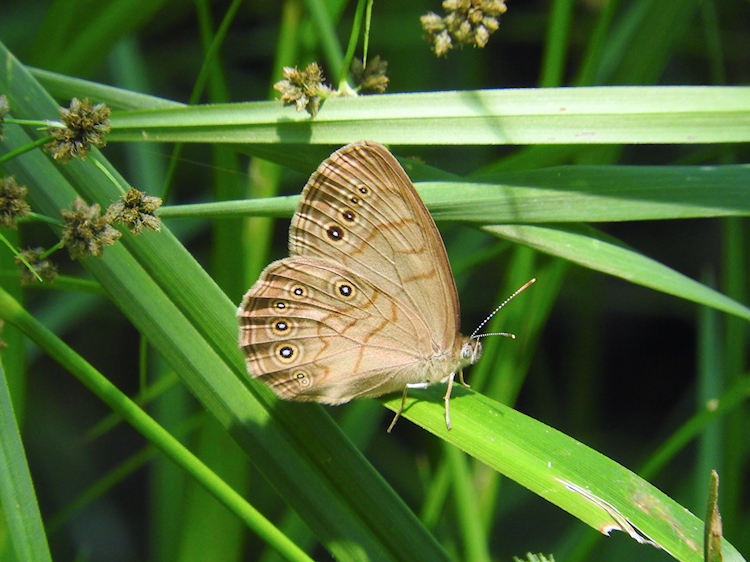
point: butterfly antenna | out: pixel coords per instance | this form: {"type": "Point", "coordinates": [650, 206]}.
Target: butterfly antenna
{"type": "Point", "coordinates": [506, 301]}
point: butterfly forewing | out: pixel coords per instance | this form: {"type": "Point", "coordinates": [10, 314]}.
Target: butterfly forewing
{"type": "Point", "coordinates": [361, 209]}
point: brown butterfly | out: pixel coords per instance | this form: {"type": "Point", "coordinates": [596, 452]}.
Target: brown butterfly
{"type": "Point", "coordinates": [365, 304]}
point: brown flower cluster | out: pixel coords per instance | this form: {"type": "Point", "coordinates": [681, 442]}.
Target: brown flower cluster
{"type": "Point", "coordinates": [136, 210]}
{"type": "Point", "coordinates": [85, 126]}
{"type": "Point", "coordinates": [303, 88]}
{"type": "Point", "coordinates": [371, 79]}
{"type": "Point", "coordinates": [86, 232]}
{"type": "Point", "coordinates": [12, 202]}
{"type": "Point", "coordinates": [467, 22]}
{"type": "Point", "coordinates": [43, 267]}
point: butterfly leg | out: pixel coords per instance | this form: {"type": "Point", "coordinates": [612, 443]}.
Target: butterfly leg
{"type": "Point", "coordinates": [448, 400]}
{"type": "Point", "coordinates": [403, 400]}
{"type": "Point", "coordinates": [461, 379]}
{"type": "Point", "coordinates": [400, 408]}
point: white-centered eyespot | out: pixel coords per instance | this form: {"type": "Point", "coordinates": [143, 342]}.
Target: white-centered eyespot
{"type": "Point", "coordinates": [280, 327]}
{"type": "Point", "coordinates": [344, 289]}
{"type": "Point", "coordinates": [348, 215]}
{"type": "Point", "coordinates": [335, 233]}
{"type": "Point", "coordinates": [286, 352]}
{"type": "Point", "coordinates": [298, 291]}
{"type": "Point", "coordinates": [302, 378]}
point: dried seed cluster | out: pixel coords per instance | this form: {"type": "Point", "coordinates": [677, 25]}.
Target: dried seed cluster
{"type": "Point", "coordinates": [306, 89]}
{"type": "Point", "coordinates": [85, 126]}
{"type": "Point", "coordinates": [12, 202]}
{"type": "Point", "coordinates": [86, 232]}
{"type": "Point", "coordinates": [43, 267]}
{"type": "Point", "coordinates": [371, 79]}
{"type": "Point", "coordinates": [467, 22]}
{"type": "Point", "coordinates": [303, 88]}
{"type": "Point", "coordinates": [136, 210]}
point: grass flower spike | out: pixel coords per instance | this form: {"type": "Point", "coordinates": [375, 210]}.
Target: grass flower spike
{"type": "Point", "coordinates": [304, 89]}
{"type": "Point", "coordinates": [371, 79]}
{"type": "Point", "coordinates": [12, 202]}
{"type": "Point", "coordinates": [86, 232]}
{"type": "Point", "coordinates": [136, 210]}
{"type": "Point", "coordinates": [44, 268]}
{"type": "Point", "coordinates": [467, 22]}
{"type": "Point", "coordinates": [85, 126]}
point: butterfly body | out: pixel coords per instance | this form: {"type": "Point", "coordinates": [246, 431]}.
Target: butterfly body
{"type": "Point", "coordinates": [366, 303]}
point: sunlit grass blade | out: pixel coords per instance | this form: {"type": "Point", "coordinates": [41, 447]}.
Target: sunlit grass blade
{"type": "Point", "coordinates": [594, 488]}
{"type": "Point", "coordinates": [677, 114]}
{"type": "Point", "coordinates": [558, 194]}
{"type": "Point", "coordinates": [587, 247]}
{"type": "Point", "coordinates": [593, 194]}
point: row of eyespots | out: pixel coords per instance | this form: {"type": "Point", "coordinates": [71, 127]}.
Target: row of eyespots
{"type": "Point", "coordinates": [288, 353]}
{"type": "Point", "coordinates": [335, 232]}
{"type": "Point", "coordinates": [281, 326]}
{"type": "Point", "coordinates": [298, 292]}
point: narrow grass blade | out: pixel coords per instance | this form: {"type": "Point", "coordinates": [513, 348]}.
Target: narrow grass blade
{"type": "Point", "coordinates": [594, 488]}
{"type": "Point", "coordinates": [20, 509]}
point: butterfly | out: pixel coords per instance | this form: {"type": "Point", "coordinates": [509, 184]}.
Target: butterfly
{"type": "Point", "coordinates": [366, 303]}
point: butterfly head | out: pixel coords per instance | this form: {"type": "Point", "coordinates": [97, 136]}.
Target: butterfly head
{"type": "Point", "coordinates": [471, 351]}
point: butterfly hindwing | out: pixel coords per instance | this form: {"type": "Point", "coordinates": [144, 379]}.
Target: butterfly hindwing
{"type": "Point", "coordinates": [314, 331]}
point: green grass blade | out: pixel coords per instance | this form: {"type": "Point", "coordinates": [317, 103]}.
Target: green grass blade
{"type": "Point", "coordinates": [603, 254]}
{"type": "Point", "coordinates": [12, 312]}
{"type": "Point", "coordinates": [558, 194]}
{"type": "Point", "coordinates": [595, 194]}
{"type": "Point", "coordinates": [20, 509]}
{"type": "Point", "coordinates": [666, 114]}
{"type": "Point", "coordinates": [597, 490]}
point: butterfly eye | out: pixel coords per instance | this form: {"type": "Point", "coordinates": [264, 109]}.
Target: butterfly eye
{"type": "Point", "coordinates": [286, 352]}
{"type": "Point", "coordinates": [348, 215]}
{"type": "Point", "coordinates": [279, 305]}
{"type": "Point", "coordinates": [354, 200]}
{"type": "Point", "coordinates": [301, 378]}
{"type": "Point", "coordinates": [345, 289]}
{"type": "Point", "coordinates": [472, 350]}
